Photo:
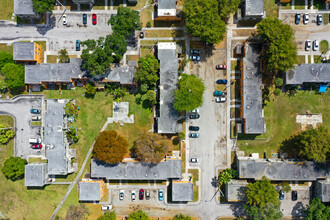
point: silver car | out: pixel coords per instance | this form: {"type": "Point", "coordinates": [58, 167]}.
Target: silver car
{"type": "Point", "coordinates": [315, 45]}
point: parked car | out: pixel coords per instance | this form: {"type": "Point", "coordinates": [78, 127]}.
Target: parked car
{"type": "Point", "coordinates": [316, 45]}
{"type": "Point", "coordinates": [121, 194]}
{"type": "Point", "coordinates": [133, 196]}
{"type": "Point", "coordinates": [217, 93]}
{"type": "Point", "coordinates": [147, 194]}
{"type": "Point", "coordinates": [64, 20]}
{"type": "Point", "coordinates": [194, 160]}
{"type": "Point", "coordinates": [160, 195]}
{"type": "Point", "coordinates": [77, 45]}
{"type": "Point", "coordinates": [94, 19]}
{"type": "Point", "coordinates": [84, 19]}
{"type": "Point", "coordinates": [220, 99]}
{"type": "Point", "coordinates": [294, 195]}
{"type": "Point", "coordinates": [222, 81]}
{"type": "Point", "coordinates": [298, 17]}
{"type": "Point", "coordinates": [141, 194]}
{"type": "Point", "coordinates": [194, 116]}
{"type": "Point", "coordinates": [281, 194]}
{"type": "Point", "coordinates": [35, 111]}
{"type": "Point", "coordinates": [319, 19]}
{"type": "Point", "coordinates": [306, 18]}
{"type": "Point", "coordinates": [193, 128]}
{"type": "Point", "coordinates": [195, 111]}
{"type": "Point", "coordinates": [221, 67]}
{"type": "Point", "coordinates": [195, 58]}
{"type": "Point", "coordinates": [106, 207]}
{"type": "Point", "coordinates": [308, 45]}
{"type": "Point", "coordinates": [193, 51]}
{"type": "Point", "coordinates": [194, 135]}
{"type": "Point", "coordinates": [141, 35]}
{"type": "Point", "coordinates": [36, 118]}
{"type": "Point", "coordinates": [36, 146]}
{"type": "Point", "coordinates": [34, 141]}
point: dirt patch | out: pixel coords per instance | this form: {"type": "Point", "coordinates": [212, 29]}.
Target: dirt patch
{"type": "Point", "coordinates": [307, 121]}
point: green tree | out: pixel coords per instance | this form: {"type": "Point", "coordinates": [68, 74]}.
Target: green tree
{"type": "Point", "coordinates": [151, 147]}
{"type": "Point", "coordinates": [203, 20]}
{"type": "Point", "coordinates": [125, 22]}
{"type": "Point", "coordinates": [14, 76]}
{"type": "Point", "coordinates": [71, 134]}
{"type": "Point", "coordinates": [150, 98]}
{"type": "Point", "coordinates": [227, 7]}
{"type": "Point", "coordinates": [286, 186]}
{"type": "Point", "coordinates": [189, 95]}
{"type": "Point", "coordinates": [116, 46]}
{"type": "Point", "coordinates": [278, 82]}
{"type": "Point", "coordinates": [5, 134]}
{"type": "Point", "coordinates": [90, 90]}
{"type": "Point", "coordinates": [3, 87]}
{"type": "Point", "coordinates": [277, 91]}
{"type": "Point", "coordinates": [63, 56]}
{"type": "Point", "coordinates": [139, 215]}
{"type": "Point", "coordinates": [181, 135]}
{"type": "Point", "coordinates": [269, 212]}
{"type": "Point", "coordinates": [5, 58]}
{"type": "Point", "coordinates": [226, 175]}
{"type": "Point", "coordinates": [14, 168]}
{"type": "Point", "coordinates": [312, 144]}
{"type": "Point", "coordinates": [42, 6]}
{"type": "Point", "coordinates": [110, 147]}
{"type": "Point", "coordinates": [146, 73]}
{"type": "Point", "coordinates": [108, 216]}
{"type": "Point", "coordinates": [316, 210]}
{"type": "Point", "coordinates": [78, 212]}
{"type": "Point", "coordinates": [144, 88]}
{"type": "Point", "coordinates": [119, 92]}
{"type": "Point", "coordinates": [71, 108]}
{"type": "Point", "coordinates": [281, 51]}
{"type": "Point", "coordinates": [182, 217]}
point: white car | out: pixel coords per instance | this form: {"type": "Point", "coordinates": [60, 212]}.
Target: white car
{"type": "Point", "coordinates": [306, 18]}
{"type": "Point", "coordinates": [121, 194]}
{"type": "Point", "coordinates": [196, 111]}
{"type": "Point", "coordinates": [220, 99]}
{"type": "Point", "coordinates": [308, 45]}
{"type": "Point", "coordinates": [194, 160]}
{"type": "Point", "coordinates": [106, 207]}
{"type": "Point", "coordinates": [315, 45]}
{"type": "Point", "coordinates": [64, 20]}
{"type": "Point", "coordinates": [133, 195]}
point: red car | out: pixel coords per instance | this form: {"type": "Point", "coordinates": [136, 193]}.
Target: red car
{"type": "Point", "coordinates": [221, 67]}
{"type": "Point", "coordinates": [36, 146]}
{"type": "Point", "coordinates": [94, 19]}
{"type": "Point", "coordinates": [141, 194]}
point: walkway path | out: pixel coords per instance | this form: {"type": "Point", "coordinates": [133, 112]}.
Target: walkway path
{"type": "Point", "coordinates": [2, 216]}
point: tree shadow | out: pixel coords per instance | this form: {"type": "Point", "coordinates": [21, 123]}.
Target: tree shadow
{"type": "Point", "coordinates": [43, 29]}
{"type": "Point", "coordinates": [238, 209]}
{"type": "Point", "coordinates": [298, 210]}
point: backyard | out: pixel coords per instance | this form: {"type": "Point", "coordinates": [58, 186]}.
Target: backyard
{"type": "Point", "coordinates": [7, 9]}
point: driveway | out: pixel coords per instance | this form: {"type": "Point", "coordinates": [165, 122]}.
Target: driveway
{"type": "Point", "coordinates": [19, 107]}
{"type": "Point", "coordinates": [296, 208]}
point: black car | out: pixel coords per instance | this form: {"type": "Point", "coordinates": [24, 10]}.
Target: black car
{"type": "Point", "coordinates": [84, 19]}
{"type": "Point", "coordinates": [141, 35]}
{"type": "Point", "coordinates": [319, 19]}
{"type": "Point", "coordinates": [294, 195]}
{"type": "Point", "coordinates": [298, 17]}
{"type": "Point", "coordinates": [193, 128]}
{"type": "Point", "coordinates": [194, 116]}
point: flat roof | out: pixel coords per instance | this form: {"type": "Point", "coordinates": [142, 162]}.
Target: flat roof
{"type": "Point", "coordinates": [169, 169]}
{"type": "Point", "coordinates": [323, 190]}
{"type": "Point", "coordinates": [308, 73]}
{"type": "Point", "coordinates": [182, 191]}
{"type": "Point", "coordinates": [24, 7]}
{"type": "Point", "coordinates": [123, 75]}
{"type": "Point", "coordinates": [24, 51]}
{"type": "Point", "coordinates": [166, 8]}
{"type": "Point", "coordinates": [35, 174]}
{"type": "Point", "coordinates": [249, 168]}
{"type": "Point", "coordinates": [254, 8]}
{"type": "Point", "coordinates": [235, 191]}
{"type": "Point", "coordinates": [89, 191]}
{"type": "Point", "coordinates": [168, 74]}
{"type": "Point", "coordinates": [53, 72]}
{"type": "Point", "coordinates": [54, 137]}
{"type": "Point", "coordinates": [252, 93]}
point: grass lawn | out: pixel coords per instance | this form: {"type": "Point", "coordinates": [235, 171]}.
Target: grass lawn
{"type": "Point", "coordinates": [8, 49]}
{"type": "Point", "coordinates": [317, 59]}
{"type": "Point", "coordinates": [145, 16]}
{"type": "Point", "coordinates": [183, 157]}
{"type": "Point", "coordinates": [138, 6]}
{"type": "Point", "coordinates": [235, 89]}
{"type": "Point", "coordinates": [271, 8]}
{"type": "Point", "coordinates": [132, 57]}
{"type": "Point", "coordinates": [300, 59]}
{"type": "Point", "coordinates": [7, 9]}
{"type": "Point", "coordinates": [280, 119]}
{"type": "Point", "coordinates": [235, 65]}
{"type": "Point", "coordinates": [163, 33]}
{"type": "Point", "coordinates": [195, 177]}
{"type": "Point", "coordinates": [325, 18]}
{"type": "Point", "coordinates": [286, 6]}
{"type": "Point", "coordinates": [324, 45]}
{"type": "Point", "coordinates": [99, 5]}
{"type": "Point", "coordinates": [36, 160]}
{"type": "Point", "coordinates": [51, 59]}
{"type": "Point", "coordinates": [299, 4]}
{"type": "Point", "coordinates": [145, 50]}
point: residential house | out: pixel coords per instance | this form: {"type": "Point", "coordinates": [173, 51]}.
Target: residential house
{"type": "Point", "coordinates": [27, 52]}
{"type": "Point", "coordinates": [323, 190]}
{"type": "Point", "coordinates": [253, 9]}
{"type": "Point", "coordinates": [308, 73]}
{"type": "Point", "coordinates": [235, 191]}
{"type": "Point", "coordinates": [91, 191]}
{"type": "Point", "coordinates": [166, 11]}
{"type": "Point", "coordinates": [182, 191]}
{"type": "Point", "coordinates": [24, 9]}
{"type": "Point", "coordinates": [124, 75]}
{"type": "Point", "coordinates": [35, 174]}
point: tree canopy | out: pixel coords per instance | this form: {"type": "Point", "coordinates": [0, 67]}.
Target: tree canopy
{"type": "Point", "coordinates": [108, 216]}
{"type": "Point", "coordinates": [312, 144]}
{"type": "Point", "coordinates": [14, 76]}
{"type": "Point", "coordinates": [14, 168]}
{"type": "Point", "coordinates": [317, 210]}
{"type": "Point", "coordinates": [125, 22]}
{"type": "Point", "coordinates": [281, 51]}
{"type": "Point", "coordinates": [63, 56]}
{"type": "Point", "coordinates": [151, 147]}
{"type": "Point", "coordinates": [203, 20]}
{"type": "Point", "coordinates": [182, 217]}
{"type": "Point", "coordinates": [116, 45]}
{"type": "Point", "coordinates": [77, 212]}
{"type": "Point", "coordinates": [5, 58]}
{"type": "Point", "coordinates": [146, 74]}
{"type": "Point", "coordinates": [226, 7]}
{"type": "Point", "coordinates": [90, 90]}
{"type": "Point", "coordinates": [139, 215]}
{"type": "Point", "coordinates": [5, 134]}
{"type": "Point", "coordinates": [189, 95]}
{"type": "Point", "coordinates": [42, 6]}
{"type": "Point", "coordinates": [226, 175]}
{"type": "Point", "coordinates": [110, 147]}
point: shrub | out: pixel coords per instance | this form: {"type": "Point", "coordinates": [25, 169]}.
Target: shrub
{"type": "Point", "coordinates": [278, 82]}
{"type": "Point", "coordinates": [277, 92]}
{"type": "Point", "coordinates": [14, 168]}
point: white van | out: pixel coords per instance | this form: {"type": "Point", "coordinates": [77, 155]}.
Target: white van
{"type": "Point", "coordinates": [34, 141]}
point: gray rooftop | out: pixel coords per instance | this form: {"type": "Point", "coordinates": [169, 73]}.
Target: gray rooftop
{"type": "Point", "coordinates": [235, 191]}
{"type": "Point", "coordinates": [166, 4]}
{"type": "Point", "coordinates": [123, 75]}
{"type": "Point", "coordinates": [54, 137]}
{"type": "Point", "coordinates": [309, 73]}
{"type": "Point", "coordinates": [323, 190]}
{"type": "Point", "coordinates": [252, 93]}
{"type": "Point", "coordinates": [249, 168]}
{"type": "Point", "coordinates": [35, 174]}
{"type": "Point", "coordinates": [24, 51]}
{"type": "Point", "coordinates": [254, 8]}
{"type": "Point", "coordinates": [53, 72]}
{"type": "Point", "coordinates": [83, 1]}
{"type": "Point", "coordinates": [24, 7]}
{"type": "Point", "coordinates": [89, 191]}
{"type": "Point", "coordinates": [182, 191]}
{"type": "Point", "coordinates": [170, 169]}
{"type": "Point", "coordinates": [167, 122]}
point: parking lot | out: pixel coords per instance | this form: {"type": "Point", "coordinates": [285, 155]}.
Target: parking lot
{"type": "Point", "coordinates": [19, 108]}
{"type": "Point", "coordinates": [295, 208]}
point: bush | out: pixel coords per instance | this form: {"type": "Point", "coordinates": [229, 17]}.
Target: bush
{"type": "Point", "coordinates": [277, 92]}
{"type": "Point", "coordinates": [182, 135]}
{"type": "Point", "coordinates": [278, 82]}
{"type": "Point", "coordinates": [14, 168]}
{"type": "Point", "coordinates": [139, 215]}
{"type": "Point", "coordinates": [108, 216]}
{"type": "Point", "coordinates": [148, 25]}
{"type": "Point", "coordinates": [90, 90]}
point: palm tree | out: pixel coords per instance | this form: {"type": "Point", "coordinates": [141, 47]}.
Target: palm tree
{"type": "Point", "coordinates": [63, 56]}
